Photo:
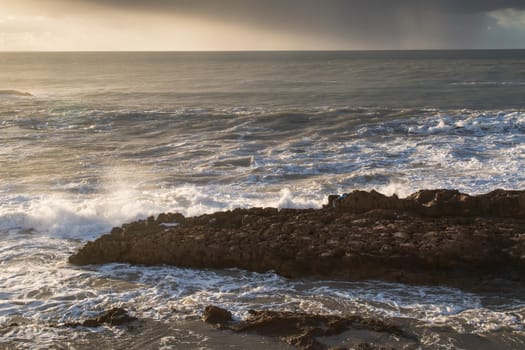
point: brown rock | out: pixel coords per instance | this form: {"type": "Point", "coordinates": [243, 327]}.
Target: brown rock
{"type": "Point", "coordinates": [432, 236]}
{"type": "Point", "coordinates": [112, 317]}
{"type": "Point", "coordinates": [215, 314]}
{"type": "Point", "coordinates": [362, 202]}
{"type": "Point", "coordinates": [303, 330]}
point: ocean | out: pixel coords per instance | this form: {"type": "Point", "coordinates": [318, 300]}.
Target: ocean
{"type": "Point", "coordinates": [108, 138]}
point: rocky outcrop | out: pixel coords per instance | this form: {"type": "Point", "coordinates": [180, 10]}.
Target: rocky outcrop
{"type": "Point", "coordinates": [305, 330]}
{"type": "Point", "coordinates": [436, 203]}
{"type": "Point", "coordinates": [431, 237]}
{"type": "Point", "coordinates": [113, 317]}
{"type": "Point", "coordinates": [217, 315]}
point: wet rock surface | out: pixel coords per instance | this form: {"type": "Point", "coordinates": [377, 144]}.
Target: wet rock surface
{"type": "Point", "coordinates": [430, 237]}
{"type": "Point", "coordinates": [305, 331]}
{"type": "Point", "coordinates": [217, 315]}
{"type": "Point", "coordinates": [112, 317]}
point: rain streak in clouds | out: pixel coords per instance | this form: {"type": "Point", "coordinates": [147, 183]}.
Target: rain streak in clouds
{"type": "Point", "coordinates": [268, 24]}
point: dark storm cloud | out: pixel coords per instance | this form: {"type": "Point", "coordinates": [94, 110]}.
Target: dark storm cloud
{"type": "Point", "coordinates": [336, 5]}
{"type": "Point", "coordinates": [376, 23]}
{"type": "Point", "coordinates": [270, 10]}
{"type": "Point", "coordinates": [479, 5]}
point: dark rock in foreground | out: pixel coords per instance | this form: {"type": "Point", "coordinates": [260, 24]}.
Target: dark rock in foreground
{"type": "Point", "coordinates": [437, 203]}
{"type": "Point", "coordinates": [304, 330]}
{"type": "Point", "coordinates": [214, 314]}
{"type": "Point", "coordinates": [430, 237]}
{"type": "Point", "coordinates": [113, 317]}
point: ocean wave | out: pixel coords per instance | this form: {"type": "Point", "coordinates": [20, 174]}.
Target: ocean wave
{"type": "Point", "coordinates": [62, 294]}
{"type": "Point", "coordinates": [86, 215]}
{"type": "Point", "coordinates": [479, 124]}
{"type": "Point", "coordinates": [14, 93]}
{"type": "Point", "coordinates": [489, 83]}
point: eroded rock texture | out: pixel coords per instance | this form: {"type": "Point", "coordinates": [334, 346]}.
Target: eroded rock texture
{"type": "Point", "coordinates": [431, 237]}
{"type": "Point", "coordinates": [305, 331]}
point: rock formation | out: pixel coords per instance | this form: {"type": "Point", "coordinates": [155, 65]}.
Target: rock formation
{"type": "Point", "coordinates": [217, 315]}
{"type": "Point", "coordinates": [113, 317]}
{"type": "Point", "coordinates": [430, 237]}
{"type": "Point", "coordinates": [305, 330]}
{"type": "Point", "coordinates": [436, 203]}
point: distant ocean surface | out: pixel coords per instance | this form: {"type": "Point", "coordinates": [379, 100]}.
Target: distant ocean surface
{"type": "Point", "coordinates": [107, 138]}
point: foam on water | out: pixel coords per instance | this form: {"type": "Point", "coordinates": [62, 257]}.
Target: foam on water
{"type": "Point", "coordinates": [39, 288]}
{"type": "Point", "coordinates": [132, 135]}
{"type": "Point", "coordinates": [266, 158]}
{"type": "Point", "coordinates": [87, 213]}
{"type": "Point", "coordinates": [469, 123]}
{"type": "Point", "coordinates": [62, 293]}
{"type": "Point", "coordinates": [261, 162]}
{"type": "Point", "coordinates": [65, 215]}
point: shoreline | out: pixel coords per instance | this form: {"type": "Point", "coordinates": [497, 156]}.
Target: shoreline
{"type": "Point", "coordinates": [434, 237]}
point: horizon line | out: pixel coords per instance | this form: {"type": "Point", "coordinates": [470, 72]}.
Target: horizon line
{"type": "Point", "coordinates": [249, 50]}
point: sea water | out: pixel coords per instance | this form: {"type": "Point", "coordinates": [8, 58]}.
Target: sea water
{"type": "Point", "coordinates": [107, 138]}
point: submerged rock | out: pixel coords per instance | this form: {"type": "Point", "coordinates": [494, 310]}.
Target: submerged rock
{"type": "Point", "coordinates": [113, 317]}
{"type": "Point", "coordinates": [215, 314]}
{"type": "Point", "coordinates": [430, 237]}
{"type": "Point", "coordinates": [305, 330]}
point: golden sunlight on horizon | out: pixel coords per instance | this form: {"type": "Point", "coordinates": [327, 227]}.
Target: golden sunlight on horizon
{"type": "Point", "coordinates": [110, 30]}
{"type": "Point", "coordinates": [225, 25]}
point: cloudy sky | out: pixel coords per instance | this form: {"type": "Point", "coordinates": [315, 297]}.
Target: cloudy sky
{"type": "Point", "coordinates": [260, 24]}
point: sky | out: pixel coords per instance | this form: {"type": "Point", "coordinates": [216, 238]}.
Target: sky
{"type": "Point", "coordinates": [210, 25]}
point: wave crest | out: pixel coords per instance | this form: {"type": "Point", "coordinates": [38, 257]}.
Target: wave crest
{"type": "Point", "coordinates": [15, 93]}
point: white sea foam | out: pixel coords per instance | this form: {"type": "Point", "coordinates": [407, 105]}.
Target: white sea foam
{"type": "Point", "coordinates": [86, 215]}
{"type": "Point", "coordinates": [71, 216]}
{"type": "Point", "coordinates": [288, 200]}
{"type": "Point", "coordinates": [480, 124]}
{"type": "Point", "coordinates": [81, 158]}
{"type": "Point", "coordinates": [45, 291]}
{"type": "Point", "coordinates": [489, 83]}
{"type": "Point", "coordinates": [40, 225]}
